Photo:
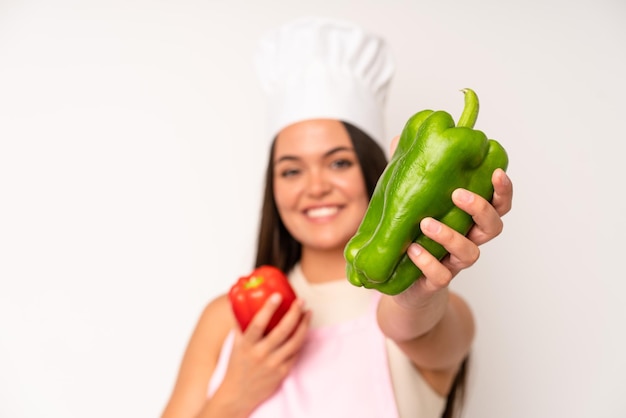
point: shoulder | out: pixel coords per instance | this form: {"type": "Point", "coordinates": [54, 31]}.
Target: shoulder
{"type": "Point", "coordinates": [216, 320]}
{"type": "Point", "coordinates": [218, 306]}
{"type": "Point", "coordinates": [200, 358]}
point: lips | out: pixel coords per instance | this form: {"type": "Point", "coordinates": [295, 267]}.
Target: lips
{"type": "Point", "coordinates": [321, 212]}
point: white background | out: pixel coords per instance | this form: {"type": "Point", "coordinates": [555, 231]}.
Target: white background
{"type": "Point", "coordinates": [131, 161]}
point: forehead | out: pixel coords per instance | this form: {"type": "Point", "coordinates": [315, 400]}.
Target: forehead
{"type": "Point", "coordinates": [311, 137]}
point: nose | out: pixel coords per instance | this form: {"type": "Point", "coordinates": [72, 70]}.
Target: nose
{"type": "Point", "coordinates": [318, 183]}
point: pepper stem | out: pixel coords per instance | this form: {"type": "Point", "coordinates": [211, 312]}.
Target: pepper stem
{"type": "Point", "coordinates": [254, 282]}
{"type": "Point", "coordinates": [470, 111]}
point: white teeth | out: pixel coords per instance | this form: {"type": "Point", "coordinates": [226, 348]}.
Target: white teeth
{"type": "Point", "coordinates": [321, 212]}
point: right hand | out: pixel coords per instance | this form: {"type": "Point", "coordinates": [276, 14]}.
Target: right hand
{"type": "Point", "coordinates": [258, 364]}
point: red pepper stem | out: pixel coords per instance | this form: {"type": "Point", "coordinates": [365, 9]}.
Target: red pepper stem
{"type": "Point", "coordinates": [255, 281]}
{"type": "Point", "coordinates": [470, 111]}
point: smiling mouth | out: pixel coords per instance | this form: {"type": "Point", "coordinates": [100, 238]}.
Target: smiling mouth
{"type": "Point", "coordinates": [322, 212]}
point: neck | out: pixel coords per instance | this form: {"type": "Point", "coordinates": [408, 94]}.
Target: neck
{"type": "Point", "coordinates": [323, 266]}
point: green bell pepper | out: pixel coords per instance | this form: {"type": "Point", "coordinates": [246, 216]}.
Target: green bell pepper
{"type": "Point", "coordinates": [433, 158]}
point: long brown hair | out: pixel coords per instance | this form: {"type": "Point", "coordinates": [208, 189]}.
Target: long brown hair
{"type": "Point", "coordinates": [275, 244]}
{"type": "Point", "coordinates": [278, 248]}
{"type": "Point", "coordinates": [456, 396]}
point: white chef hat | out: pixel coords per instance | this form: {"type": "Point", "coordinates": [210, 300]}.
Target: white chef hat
{"type": "Point", "coordinates": [321, 68]}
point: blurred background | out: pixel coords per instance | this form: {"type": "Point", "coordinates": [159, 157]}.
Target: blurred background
{"type": "Point", "coordinates": [131, 162]}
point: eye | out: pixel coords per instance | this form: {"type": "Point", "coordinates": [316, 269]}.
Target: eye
{"type": "Point", "coordinates": [288, 172]}
{"type": "Point", "coordinates": [342, 163]}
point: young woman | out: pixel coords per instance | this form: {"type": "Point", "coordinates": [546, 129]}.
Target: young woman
{"type": "Point", "coordinates": [340, 350]}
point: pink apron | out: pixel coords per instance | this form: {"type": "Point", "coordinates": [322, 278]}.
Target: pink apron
{"type": "Point", "coordinates": [342, 371]}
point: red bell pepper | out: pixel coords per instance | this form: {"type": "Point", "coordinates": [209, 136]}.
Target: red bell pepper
{"type": "Point", "coordinates": [250, 292]}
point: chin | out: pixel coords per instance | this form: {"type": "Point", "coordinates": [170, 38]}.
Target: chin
{"type": "Point", "coordinates": [327, 245]}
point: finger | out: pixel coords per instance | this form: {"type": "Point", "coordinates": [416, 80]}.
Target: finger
{"type": "Point", "coordinates": [292, 345]}
{"type": "Point", "coordinates": [462, 252]}
{"type": "Point", "coordinates": [394, 144]}
{"type": "Point", "coordinates": [259, 323]}
{"type": "Point", "coordinates": [286, 325]}
{"type": "Point", "coordinates": [503, 192]}
{"type": "Point", "coordinates": [488, 223]}
{"type": "Point", "coordinates": [287, 354]}
{"type": "Point", "coordinates": [436, 275]}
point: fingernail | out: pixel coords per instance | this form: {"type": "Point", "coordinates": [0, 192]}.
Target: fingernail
{"type": "Point", "coordinates": [415, 249]}
{"type": "Point", "coordinates": [276, 298]}
{"type": "Point", "coordinates": [431, 225]}
{"type": "Point", "coordinates": [463, 196]}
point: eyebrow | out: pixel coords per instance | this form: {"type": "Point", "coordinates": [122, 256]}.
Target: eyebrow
{"type": "Point", "coordinates": [326, 154]}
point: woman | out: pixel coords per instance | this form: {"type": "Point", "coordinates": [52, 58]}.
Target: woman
{"type": "Point", "coordinates": [340, 350]}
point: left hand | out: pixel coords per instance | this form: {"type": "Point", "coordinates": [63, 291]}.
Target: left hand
{"type": "Point", "coordinates": [427, 306]}
{"type": "Point", "coordinates": [463, 250]}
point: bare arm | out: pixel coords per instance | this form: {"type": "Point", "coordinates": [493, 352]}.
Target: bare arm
{"type": "Point", "coordinates": [199, 361]}
{"type": "Point", "coordinates": [433, 326]}
{"type": "Point", "coordinates": [257, 364]}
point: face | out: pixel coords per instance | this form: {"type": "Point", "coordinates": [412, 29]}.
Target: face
{"type": "Point", "coordinates": [318, 185]}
